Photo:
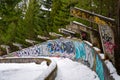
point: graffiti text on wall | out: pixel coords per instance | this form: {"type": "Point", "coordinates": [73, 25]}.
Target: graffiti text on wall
{"type": "Point", "coordinates": [61, 48]}
{"type": "Point", "coordinates": [99, 68]}
{"type": "Point", "coordinates": [79, 50]}
{"type": "Point", "coordinates": [89, 55]}
{"type": "Point", "coordinates": [107, 38]}
{"type": "Point", "coordinates": [77, 12]}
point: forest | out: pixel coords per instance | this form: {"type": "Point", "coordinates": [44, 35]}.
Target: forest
{"type": "Point", "coordinates": [25, 19]}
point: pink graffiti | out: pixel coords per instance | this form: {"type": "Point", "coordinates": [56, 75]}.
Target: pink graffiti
{"type": "Point", "coordinates": [109, 47]}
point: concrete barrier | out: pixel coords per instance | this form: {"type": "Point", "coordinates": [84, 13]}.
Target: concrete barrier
{"type": "Point", "coordinates": [72, 49]}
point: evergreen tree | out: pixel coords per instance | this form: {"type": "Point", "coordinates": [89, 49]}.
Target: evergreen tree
{"type": "Point", "coordinates": [45, 10]}
{"type": "Point", "coordinates": [31, 19]}
{"type": "Point", "coordinates": [60, 13]}
{"type": "Point", "coordinates": [9, 19]}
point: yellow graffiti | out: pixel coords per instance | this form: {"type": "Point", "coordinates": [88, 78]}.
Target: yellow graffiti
{"type": "Point", "coordinates": [99, 21]}
{"type": "Point", "coordinates": [89, 17]}
{"type": "Point", "coordinates": [73, 12]}
{"type": "Point", "coordinates": [76, 13]}
{"type": "Point", "coordinates": [84, 15]}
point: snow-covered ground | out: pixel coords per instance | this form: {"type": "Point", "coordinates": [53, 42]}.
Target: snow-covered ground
{"type": "Point", "coordinates": [67, 70]}
{"type": "Point", "coordinates": [21, 71]}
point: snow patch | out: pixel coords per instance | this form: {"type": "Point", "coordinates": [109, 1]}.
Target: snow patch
{"type": "Point", "coordinates": [112, 70]}
{"type": "Point", "coordinates": [102, 56]}
{"type": "Point", "coordinates": [46, 9]}
{"type": "Point", "coordinates": [21, 71]}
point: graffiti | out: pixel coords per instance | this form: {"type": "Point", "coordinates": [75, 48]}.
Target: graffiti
{"type": "Point", "coordinates": [89, 55]}
{"type": "Point", "coordinates": [31, 51]}
{"type": "Point", "coordinates": [80, 50]}
{"type": "Point", "coordinates": [109, 46]}
{"type": "Point", "coordinates": [96, 18]}
{"type": "Point", "coordinates": [61, 47]}
{"type": "Point", "coordinates": [99, 68]}
{"type": "Point", "coordinates": [99, 21]}
{"type": "Point", "coordinates": [74, 50]}
{"type": "Point", "coordinates": [107, 38]}
{"type": "Point", "coordinates": [50, 48]}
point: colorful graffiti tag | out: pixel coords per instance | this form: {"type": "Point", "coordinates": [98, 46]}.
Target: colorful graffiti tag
{"type": "Point", "coordinates": [92, 17]}
{"type": "Point", "coordinates": [80, 50]}
{"type": "Point", "coordinates": [107, 39]}
{"type": "Point", "coordinates": [31, 51]}
{"type": "Point", "coordinates": [99, 68]}
{"type": "Point", "coordinates": [59, 47]}
{"type": "Point", "coordinates": [89, 55]}
{"type": "Point", "coordinates": [64, 48]}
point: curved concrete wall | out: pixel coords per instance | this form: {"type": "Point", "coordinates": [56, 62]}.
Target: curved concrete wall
{"type": "Point", "coordinates": [73, 49]}
{"type": "Point", "coordinates": [59, 47]}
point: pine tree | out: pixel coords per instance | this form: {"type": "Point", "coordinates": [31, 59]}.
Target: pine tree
{"type": "Point", "coordinates": [45, 10]}
{"type": "Point", "coordinates": [10, 16]}
{"type": "Point", "coordinates": [30, 19]}
{"type": "Point", "coordinates": [60, 13]}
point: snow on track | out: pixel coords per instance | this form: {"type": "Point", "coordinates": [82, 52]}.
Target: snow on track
{"type": "Point", "coordinates": [70, 70]}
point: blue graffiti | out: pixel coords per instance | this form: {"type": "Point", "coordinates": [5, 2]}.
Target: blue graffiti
{"type": "Point", "coordinates": [60, 46]}
{"type": "Point", "coordinates": [99, 68]}
{"type": "Point", "coordinates": [80, 50]}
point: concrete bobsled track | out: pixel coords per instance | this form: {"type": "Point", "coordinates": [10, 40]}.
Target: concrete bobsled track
{"type": "Point", "coordinates": [72, 49]}
{"type": "Point", "coordinates": [48, 74]}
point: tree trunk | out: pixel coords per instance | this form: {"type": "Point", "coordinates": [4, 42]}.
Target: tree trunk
{"type": "Point", "coordinates": [117, 40]}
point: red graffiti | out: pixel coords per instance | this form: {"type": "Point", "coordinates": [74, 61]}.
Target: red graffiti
{"type": "Point", "coordinates": [109, 47]}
